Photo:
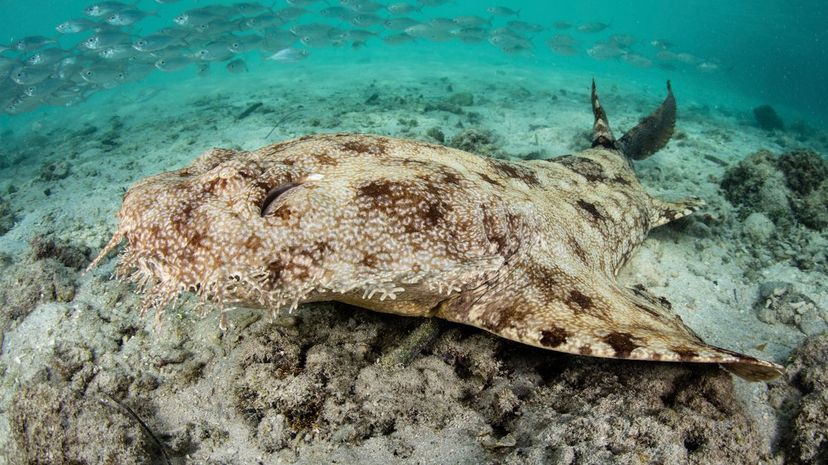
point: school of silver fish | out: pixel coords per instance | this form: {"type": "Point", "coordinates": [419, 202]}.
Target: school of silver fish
{"type": "Point", "coordinates": [113, 43]}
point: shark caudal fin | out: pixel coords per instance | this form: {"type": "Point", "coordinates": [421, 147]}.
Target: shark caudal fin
{"type": "Point", "coordinates": [653, 132]}
{"type": "Point", "coordinates": [647, 138]}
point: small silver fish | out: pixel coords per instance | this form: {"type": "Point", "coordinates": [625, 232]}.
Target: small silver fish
{"type": "Point", "coordinates": [502, 11]}
{"type": "Point", "coordinates": [69, 68]}
{"type": "Point", "coordinates": [27, 75]}
{"type": "Point", "coordinates": [366, 20]}
{"type": "Point", "coordinates": [46, 56]}
{"type": "Point", "coordinates": [44, 87]}
{"type": "Point", "coordinates": [172, 63]}
{"type": "Point", "coordinates": [317, 41]}
{"type": "Point", "coordinates": [221, 27]}
{"type": "Point", "coordinates": [362, 6]}
{"type": "Point", "coordinates": [561, 40]}
{"type": "Point", "coordinates": [106, 39]}
{"type": "Point", "coordinates": [105, 8]}
{"type": "Point", "coordinates": [510, 42]}
{"type": "Point", "coordinates": [195, 18]}
{"type": "Point", "coordinates": [30, 43]}
{"type": "Point", "coordinates": [128, 17]}
{"type": "Point", "coordinates": [75, 25]}
{"type": "Point", "coordinates": [154, 42]}
{"type": "Point", "coordinates": [592, 27]}
{"type": "Point", "coordinates": [237, 66]}
{"type": "Point", "coordinates": [471, 21]}
{"type": "Point", "coordinates": [248, 8]}
{"type": "Point", "coordinates": [471, 34]}
{"type": "Point", "coordinates": [6, 65]}
{"type": "Point", "coordinates": [708, 67]}
{"type": "Point", "coordinates": [312, 29]}
{"type": "Point", "coordinates": [263, 21]}
{"type": "Point", "coordinates": [428, 31]}
{"type": "Point", "coordinates": [105, 76]}
{"type": "Point", "coordinates": [661, 44]}
{"type": "Point", "coordinates": [443, 23]}
{"type": "Point", "coordinates": [65, 97]}
{"type": "Point", "coordinates": [21, 104]}
{"type": "Point", "coordinates": [402, 8]}
{"type": "Point", "coordinates": [118, 52]}
{"type": "Point", "coordinates": [277, 39]}
{"type": "Point", "coordinates": [302, 3]}
{"type": "Point", "coordinates": [523, 26]}
{"type": "Point", "coordinates": [291, 13]}
{"type": "Point", "coordinates": [399, 24]}
{"type": "Point", "coordinates": [397, 39]}
{"type": "Point", "coordinates": [214, 51]}
{"type": "Point", "coordinates": [622, 40]}
{"type": "Point", "coordinates": [605, 51]}
{"type": "Point", "coordinates": [244, 44]}
{"type": "Point", "coordinates": [419, 30]}
{"type": "Point", "coordinates": [357, 35]}
{"type": "Point", "coordinates": [338, 12]}
{"type": "Point", "coordinates": [637, 60]}
{"type": "Point", "coordinates": [289, 55]}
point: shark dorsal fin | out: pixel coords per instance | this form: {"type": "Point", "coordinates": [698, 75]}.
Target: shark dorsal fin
{"type": "Point", "coordinates": [601, 132]}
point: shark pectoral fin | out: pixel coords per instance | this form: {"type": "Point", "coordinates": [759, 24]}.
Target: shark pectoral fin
{"type": "Point", "coordinates": [588, 314]}
{"type": "Point", "coordinates": [743, 366]}
{"type": "Point", "coordinates": [665, 212]}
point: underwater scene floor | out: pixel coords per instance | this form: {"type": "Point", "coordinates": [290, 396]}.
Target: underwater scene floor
{"type": "Point", "coordinates": [87, 379]}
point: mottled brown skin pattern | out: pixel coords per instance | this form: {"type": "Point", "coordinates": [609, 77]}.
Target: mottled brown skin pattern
{"type": "Point", "coordinates": [526, 250]}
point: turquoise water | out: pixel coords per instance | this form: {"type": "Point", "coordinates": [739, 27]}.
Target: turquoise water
{"type": "Point", "coordinates": [81, 122]}
{"type": "Point", "coordinates": [734, 53]}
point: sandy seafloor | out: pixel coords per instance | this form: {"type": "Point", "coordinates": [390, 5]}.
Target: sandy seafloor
{"type": "Point", "coordinates": [306, 388]}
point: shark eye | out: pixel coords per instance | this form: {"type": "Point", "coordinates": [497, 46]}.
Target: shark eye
{"type": "Point", "coordinates": [274, 194]}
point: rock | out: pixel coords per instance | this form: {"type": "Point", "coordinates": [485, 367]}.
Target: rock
{"type": "Point", "coordinates": [273, 433]}
{"type": "Point", "coordinates": [792, 187]}
{"type": "Point", "coordinates": [637, 413]}
{"type": "Point", "coordinates": [7, 217]}
{"type": "Point", "coordinates": [803, 404]}
{"type": "Point", "coordinates": [52, 425]}
{"type": "Point", "coordinates": [812, 210]}
{"type": "Point", "coordinates": [767, 118]}
{"type": "Point", "coordinates": [475, 140]}
{"type": "Point", "coordinates": [463, 99]}
{"type": "Point", "coordinates": [804, 170]}
{"type": "Point", "coordinates": [756, 184]}
{"type": "Point", "coordinates": [806, 175]}
{"type": "Point", "coordinates": [779, 303]}
{"type": "Point", "coordinates": [32, 283]}
{"type": "Point", "coordinates": [758, 227]}
{"type": "Point", "coordinates": [477, 399]}
{"type": "Point", "coordinates": [436, 134]}
{"type": "Point", "coordinates": [68, 254]}
{"type": "Point", "coordinates": [54, 171]}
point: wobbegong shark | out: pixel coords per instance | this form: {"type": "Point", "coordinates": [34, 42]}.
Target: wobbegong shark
{"type": "Point", "coordinates": [526, 250]}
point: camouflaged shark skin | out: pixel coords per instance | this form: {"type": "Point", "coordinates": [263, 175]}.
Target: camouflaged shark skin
{"type": "Point", "coordinates": [527, 250]}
